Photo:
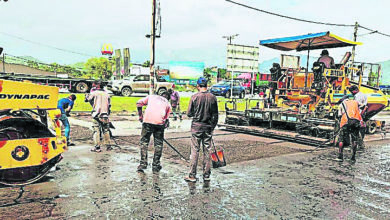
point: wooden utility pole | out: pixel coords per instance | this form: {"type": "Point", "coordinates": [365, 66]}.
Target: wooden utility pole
{"type": "Point", "coordinates": [354, 39]}
{"type": "Point", "coordinates": [152, 45]}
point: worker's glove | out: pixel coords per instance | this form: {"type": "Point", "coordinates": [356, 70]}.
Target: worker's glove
{"type": "Point", "coordinates": [141, 118]}
{"type": "Point", "coordinates": [67, 114]}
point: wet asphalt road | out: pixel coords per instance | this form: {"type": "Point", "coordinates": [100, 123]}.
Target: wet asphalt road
{"type": "Point", "coordinates": [301, 185]}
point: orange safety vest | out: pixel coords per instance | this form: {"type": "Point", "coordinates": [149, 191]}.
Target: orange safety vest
{"type": "Point", "coordinates": [352, 109]}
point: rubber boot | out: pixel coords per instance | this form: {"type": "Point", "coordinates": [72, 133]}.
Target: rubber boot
{"type": "Point", "coordinates": [340, 157]}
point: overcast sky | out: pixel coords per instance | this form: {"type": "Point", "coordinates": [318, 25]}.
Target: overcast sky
{"type": "Point", "coordinates": [192, 30]}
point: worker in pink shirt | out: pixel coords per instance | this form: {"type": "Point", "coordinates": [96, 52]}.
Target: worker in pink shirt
{"type": "Point", "coordinates": [154, 121]}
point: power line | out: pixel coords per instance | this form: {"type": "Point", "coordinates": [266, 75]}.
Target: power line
{"type": "Point", "coordinates": [27, 60]}
{"type": "Point", "coordinates": [309, 21]}
{"type": "Point", "coordinates": [371, 32]}
{"type": "Point", "coordinates": [374, 31]}
{"type": "Point", "coordinates": [288, 17]}
{"type": "Point", "coordinates": [49, 46]}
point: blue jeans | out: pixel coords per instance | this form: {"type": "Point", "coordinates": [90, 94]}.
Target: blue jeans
{"type": "Point", "coordinates": [65, 122]}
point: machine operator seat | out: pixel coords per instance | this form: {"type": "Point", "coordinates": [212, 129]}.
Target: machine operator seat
{"type": "Point", "coordinates": [318, 70]}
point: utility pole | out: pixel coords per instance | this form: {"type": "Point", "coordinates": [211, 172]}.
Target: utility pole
{"type": "Point", "coordinates": [152, 47]}
{"type": "Point", "coordinates": [354, 39]}
{"type": "Point", "coordinates": [230, 38]}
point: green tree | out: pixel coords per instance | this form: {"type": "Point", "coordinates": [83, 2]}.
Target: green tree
{"type": "Point", "coordinates": [222, 73]}
{"type": "Point", "coordinates": [207, 73]}
{"type": "Point", "coordinates": [146, 63]}
{"type": "Point", "coordinates": [98, 68]}
{"type": "Point", "coordinates": [32, 64]}
{"type": "Point", "coordinates": [54, 67]}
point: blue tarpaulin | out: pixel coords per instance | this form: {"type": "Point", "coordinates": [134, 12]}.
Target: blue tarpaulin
{"type": "Point", "coordinates": [308, 41]}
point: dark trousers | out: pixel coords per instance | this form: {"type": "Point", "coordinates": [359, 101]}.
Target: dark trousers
{"type": "Point", "coordinates": [198, 139]}
{"type": "Point", "coordinates": [101, 132]}
{"type": "Point", "coordinates": [344, 136]}
{"type": "Point", "coordinates": [176, 110]}
{"type": "Point", "coordinates": [158, 135]}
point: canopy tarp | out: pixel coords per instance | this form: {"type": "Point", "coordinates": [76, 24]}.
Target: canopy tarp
{"type": "Point", "coordinates": [320, 40]}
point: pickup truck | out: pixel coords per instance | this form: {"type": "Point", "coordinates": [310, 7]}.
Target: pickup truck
{"type": "Point", "coordinates": [137, 84]}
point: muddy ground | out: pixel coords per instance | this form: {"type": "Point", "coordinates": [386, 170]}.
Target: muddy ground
{"type": "Point", "coordinates": [264, 179]}
{"type": "Point", "coordinates": [237, 147]}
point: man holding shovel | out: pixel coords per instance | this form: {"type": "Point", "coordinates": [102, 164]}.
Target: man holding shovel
{"type": "Point", "coordinates": [154, 121]}
{"type": "Point", "coordinates": [203, 108]}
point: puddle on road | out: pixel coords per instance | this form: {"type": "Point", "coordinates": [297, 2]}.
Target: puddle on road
{"type": "Point", "coordinates": [295, 186]}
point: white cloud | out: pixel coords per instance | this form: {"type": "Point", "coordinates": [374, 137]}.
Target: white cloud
{"type": "Point", "coordinates": [192, 29]}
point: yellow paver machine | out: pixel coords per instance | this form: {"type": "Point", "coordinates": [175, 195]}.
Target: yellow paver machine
{"type": "Point", "coordinates": [308, 100]}
{"type": "Point", "coordinates": [31, 142]}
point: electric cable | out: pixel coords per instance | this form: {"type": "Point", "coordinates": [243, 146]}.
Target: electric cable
{"type": "Point", "coordinates": [49, 46]}
{"type": "Point", "coordinates": [375, 31]}
{"type": "Point", "coordinates": [27, 60]}
{"type": "Point", "coordinates": [308, 21]}
{"type": "Point", "coordinates": [372, 32]}
{"type": "Point", "coordinates": [289, 17]}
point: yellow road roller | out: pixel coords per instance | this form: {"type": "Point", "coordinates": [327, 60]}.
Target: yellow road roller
{"type": "Point", "coordinates": [31, 142]}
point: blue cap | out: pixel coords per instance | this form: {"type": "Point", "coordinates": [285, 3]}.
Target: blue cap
{"type": "Point", "coordinates": [202, 81]}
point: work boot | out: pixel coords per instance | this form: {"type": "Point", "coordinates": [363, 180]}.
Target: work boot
{"type": "Point", "coordinates": [141, 168]}
{"type": "Point", "coordinates": [340, 158]}
{"type": "Point", "coordinates": [156, 169]}
{"type": "Point", "coordinates": [175, 118]}
{"type": "Point", "coordinates": [190, 179]}
{"type": "Point", "coordinates": [96, 149]}
{"type": "Point", "coordinates": [361, 147]}
{"type": "Point", "coordinates": [353, 158]}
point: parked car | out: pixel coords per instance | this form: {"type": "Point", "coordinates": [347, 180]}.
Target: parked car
{"type": "Point", "coordinates": [223, 88]}
{"type": "Point", "coordinates": [137, 84]}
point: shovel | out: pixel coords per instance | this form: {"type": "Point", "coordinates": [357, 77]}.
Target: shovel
{"type": "Point", "coordinates": [218, 157]}
{"type": "Point", "coordinates": [173, 148]}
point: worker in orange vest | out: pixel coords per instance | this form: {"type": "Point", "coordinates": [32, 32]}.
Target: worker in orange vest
{"type": "Point", "coordinates": [351, 121]}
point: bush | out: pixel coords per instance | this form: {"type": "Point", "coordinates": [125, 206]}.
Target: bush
{"type": "Point", "coordinates": [185, 88]}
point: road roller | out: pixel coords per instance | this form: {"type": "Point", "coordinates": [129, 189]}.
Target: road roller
{"type": "Point", "coordinates": [31, 142]}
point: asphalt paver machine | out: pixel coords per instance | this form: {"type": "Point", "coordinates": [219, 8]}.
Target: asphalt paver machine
{"type": "Point", "coordinates": [308, 100]}
{"type": "Point", "coordinates": [31, 142]}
